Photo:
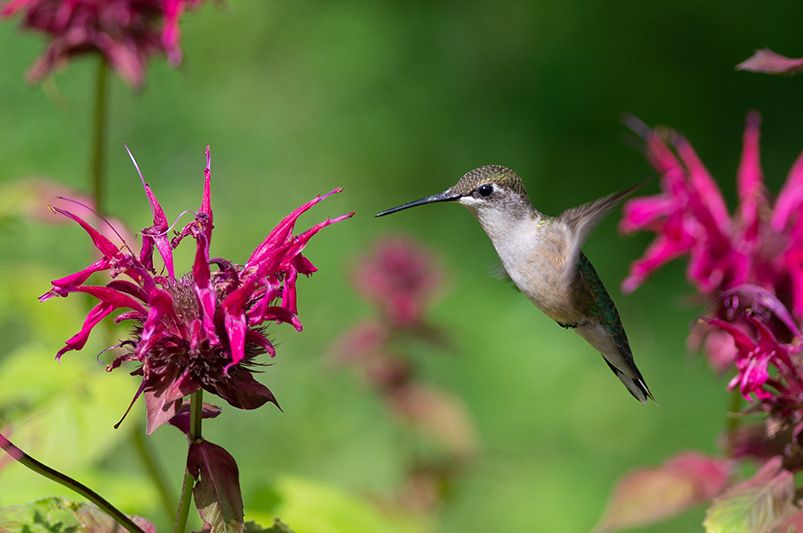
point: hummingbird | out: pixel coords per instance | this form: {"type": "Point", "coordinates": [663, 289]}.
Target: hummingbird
{"type": "Point", "coordinates": [542, 256]}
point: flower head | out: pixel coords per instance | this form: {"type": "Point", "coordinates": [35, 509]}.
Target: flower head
{"type": "Point", "coordinates": [760, 244]}
{"type": "Point", "coordinates": [769, 366]}
{"type": "Point", "coordinates": [125, 32]}
{"type": "Point", "coordinates": [202, 329]}
{"type": "Point", "coordinates": [400, 277]}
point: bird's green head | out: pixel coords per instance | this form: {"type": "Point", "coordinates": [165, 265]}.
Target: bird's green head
{"type": "Point", "coordinates": [484, 187]}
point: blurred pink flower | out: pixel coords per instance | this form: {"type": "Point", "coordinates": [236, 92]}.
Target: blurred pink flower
{"type": "Point", "coordinates": [126, 32]}
{"type": "Point", "coordinates": [401, 278]}
{"type": "Point", "coordinates": [33, 197]}
{"type": "Point", "coordinates": [760, 244]}
{"type": "Point", "coordinates": [202, 329]}
{"type": "Point", "coordinates": [769, 62]}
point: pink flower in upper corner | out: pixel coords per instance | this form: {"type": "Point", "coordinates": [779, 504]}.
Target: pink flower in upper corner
{"type": "Point", "coordinates": [202, 329]}
{"type": "Point", "coordinates": [761, 244]}
{"type": "Point", "coordinates": [125, 32]}
{"type": "Point", "coordinates": [401, 278]}
{"type": "Point", "coordinates": [769, 62]}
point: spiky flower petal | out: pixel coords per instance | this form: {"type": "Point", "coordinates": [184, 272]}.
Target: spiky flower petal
{"type": "Point", "coordinates": [202, 329]}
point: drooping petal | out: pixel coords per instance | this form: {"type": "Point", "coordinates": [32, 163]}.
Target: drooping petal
{"type": "Point", "coordinates": [181, 419]}
{"type": "Point", "coordinates": [256, 337]}
{"type": "Point", "coordinates": [104, 245]}
{"type": "Point", "coordinates": [112, 297]}
{"type": "Point", "coordinates": [77, 341]}
{"type": "Point", "coordinates": [706, 198]}
{"type": "Point", "coordinates": [161, 306]}
{"type": "Point", "coordinates": [242, 391]}
{"type": "Point", "coordinates": [162, 405]}
{"type": "Point", "coordinates": [660, 252]}
{"type": "Point", "coordinates": [63, 286]}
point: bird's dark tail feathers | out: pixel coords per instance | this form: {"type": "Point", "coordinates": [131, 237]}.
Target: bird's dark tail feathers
{"type": "Point", "coordinates": [635, 385]}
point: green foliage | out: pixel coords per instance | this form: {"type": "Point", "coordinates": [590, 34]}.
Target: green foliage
{"type": "Point", "coordinates": [759, 504]}
{"type": "Point", "coordinates": [390, 100]}
{"type": "Point", "coordinates": [311, 506]}
{"type": "Point", "coordinates": [58, 515]}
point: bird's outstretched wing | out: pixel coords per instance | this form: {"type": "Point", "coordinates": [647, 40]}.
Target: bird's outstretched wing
{"type": "Point", "coordinates": [582, 219]}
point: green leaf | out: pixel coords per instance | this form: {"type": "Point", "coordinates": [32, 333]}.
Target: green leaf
{"type": "Point", "coordinates": [61, 414]}
{"type": "Point", "coordinates": [759, 504]}
{"type": "Point", "coordinates": [58, 515]}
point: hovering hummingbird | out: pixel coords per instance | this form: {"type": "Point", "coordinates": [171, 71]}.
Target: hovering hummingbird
{"type": "Point", "coordinates": [542, 256]}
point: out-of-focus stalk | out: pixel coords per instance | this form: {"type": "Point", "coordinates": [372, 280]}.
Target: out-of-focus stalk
{"type": "Point", "coordinates": [99, 127]}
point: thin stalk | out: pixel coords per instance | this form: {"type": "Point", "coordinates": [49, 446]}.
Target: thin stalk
{"type": "Point", "coordinates": [75, 486]}
{"type": "Point", "coordinates": [733, 420]}
{"type": "Point", "coordinates": [168, 499]}
{"type": "Point", "coordinates": [196, 419]}
{"type": "Point", "coordinates": [99, 122]}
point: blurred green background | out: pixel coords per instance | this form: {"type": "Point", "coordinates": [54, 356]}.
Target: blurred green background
{"type": "Point", "coordinates": [393, 101]}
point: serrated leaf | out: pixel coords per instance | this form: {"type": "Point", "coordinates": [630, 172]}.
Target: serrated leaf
{"type": "Point", "coordinates": [648, 495]}
{"type": "Point", "coordinates": [757, 505]}
{"type": "Point", "coordinates": [59, 515]}
{"type": "Point", "coordinates": [217, 488]}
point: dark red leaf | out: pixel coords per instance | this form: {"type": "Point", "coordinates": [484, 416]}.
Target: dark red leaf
{"type": "Point", "coordinates": [217, 486]}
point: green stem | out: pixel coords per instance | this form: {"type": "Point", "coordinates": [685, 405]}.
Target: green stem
{"type": "Point", "coordinates": [153, 469]}
{"type": "Point", "coordinates": [99, 114]}
{"type": "Point", "coordinates": [196, 419]}
{"type": "Point", "coordinates": [733, 420]}
{"type": "Point", "coordinates": [44, 470]}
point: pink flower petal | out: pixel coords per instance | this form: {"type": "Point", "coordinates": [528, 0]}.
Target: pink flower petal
{"type": "Point", "coordinates": [283, 230]}
{"type": "Point", "coordinates": [750, 179]}
{"type": "Point", "coordinates": [104, 245]}
{"type": "Point", "coordinates": [787, 207]}
{"type": "Point", "coordinates": [77, 341]}
{"type": "Point", "coordinates": [769, 62]}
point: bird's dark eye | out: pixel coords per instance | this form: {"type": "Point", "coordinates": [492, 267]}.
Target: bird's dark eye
{"type": "Point", "coordinates": [485, 190]}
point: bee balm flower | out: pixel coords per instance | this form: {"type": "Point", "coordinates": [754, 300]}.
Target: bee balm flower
{"type": "Point", "coordinates": [126, 32]}
{"type": "Point", "coordinates": [202, 329]}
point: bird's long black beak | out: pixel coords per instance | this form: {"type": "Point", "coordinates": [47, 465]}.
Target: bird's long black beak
{"type": "Point", "coordinates": [445, 196]}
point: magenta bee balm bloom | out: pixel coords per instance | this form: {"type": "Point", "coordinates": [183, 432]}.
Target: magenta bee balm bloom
{"type": "Point", "coordinates": [760, 244]}
{"type": "Point", "coordinates": [126, 32]}
{"type": "Point", "coordinates": [202, 329]}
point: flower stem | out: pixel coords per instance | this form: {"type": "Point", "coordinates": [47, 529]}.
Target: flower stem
{"type": "Point", "coordinates": [168, 499]}
{"type": "Point", "coordinates": [196, 418]}
{"type": "Point", "coordinates": [44, 470]}
{"type": "Point", "coordinates": [99, 114]}
{"type": "Point", "coordinates": [733, 420]}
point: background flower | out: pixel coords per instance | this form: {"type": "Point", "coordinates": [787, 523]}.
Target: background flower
{"type": "Point", "coordinates": [760, 244]}
{"type": "Point", "coordinates": [126, 32]}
